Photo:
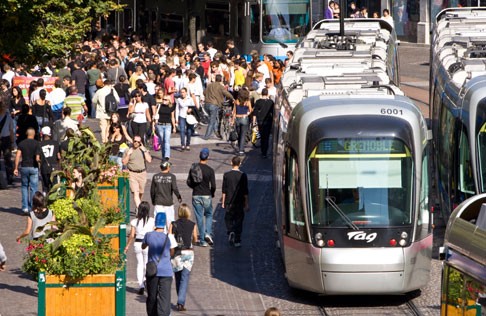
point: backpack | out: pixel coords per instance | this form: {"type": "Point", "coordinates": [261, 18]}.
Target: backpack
{"type": "Point", "coordinates": [195, 175]}
{"type": "Point", "coordinates": [111, 104]}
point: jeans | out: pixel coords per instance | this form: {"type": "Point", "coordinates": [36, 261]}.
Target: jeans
{"type": "Point", "coordinates": [164, 131]}
{"type": "Point", "coordinates": [29, 177]}
{"type": "Point", "coordinates": [92, 90]}
{"type": "Point", "coordinates": [241, 124]}
{"type": "Point", "coordinates": [142, 258]}
{"type": "Point", "coordinates": [186, 131]}
{"type": "Point", "coordinates": [213, 111]}
{"type": "Point", "coordinates": [139, 129]}
{"type": "Point", "coordinates": [182, 282]}
{"type": "Point", "coordinates": [203, 206]}
{"type": "Point", "coordinates": [57, 115]}
{"type": "Point", "coordinates": [158, 296]}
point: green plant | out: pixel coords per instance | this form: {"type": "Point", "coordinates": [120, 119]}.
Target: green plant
{"type": "Point", "coordinates": [64, 211]}
{"type": "Point", "coordinates": [91, 208]}
{"type": "Point", "coordinates": [113, 215]}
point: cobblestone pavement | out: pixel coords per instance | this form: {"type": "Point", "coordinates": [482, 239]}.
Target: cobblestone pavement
{"type": "Point", "coordinates": [225, 281]}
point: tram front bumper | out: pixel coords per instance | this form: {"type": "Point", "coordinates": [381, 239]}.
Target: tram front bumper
{"type": "Point", "coordinates": [348, 271]}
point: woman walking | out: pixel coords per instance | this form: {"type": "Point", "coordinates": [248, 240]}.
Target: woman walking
{"type": "Point", "coordinates": [185, 233]}
{"type": "Point", "coordinates": [241, 111]}
{"type": "Point", "coordinates": [41, 109]}
{"type": "Point", "coordinates": [182, 110]}
{"type": "Point", "coordinates": [164, 121]}
{"type": "Point", "coordinates": [141, 115]}
{"type": "Point", "coordinates": [139, 227]}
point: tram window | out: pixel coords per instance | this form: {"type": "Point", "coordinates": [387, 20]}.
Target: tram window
{"type": "Point", "coordinates": [466, 179]}
{"type": "Point", "coordinates": [284, 20]}
{"type": "Point", "coordinates": [424, 216]}
{"type": "Point", "coordinates": [481, 139]}
{"type": "Point", "coordinates": [255, 23]}
{"type": "Point", "coordinates": [370, 181]}
{"type": "Point", "coordinates": [462, 295]}
{"type": "Point", "coordinates": [293, 198]}
{"type": "Point", "coordinates": [445, 148]}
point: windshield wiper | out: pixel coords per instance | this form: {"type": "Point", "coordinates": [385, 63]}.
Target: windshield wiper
{"type": "Point", "coordinates": [341, 213]}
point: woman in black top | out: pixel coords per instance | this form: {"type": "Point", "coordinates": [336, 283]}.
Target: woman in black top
{"type": "Point", "coordinates": [116, 138]}
{"type": "Point", "coordinates": [41, 109]}
{"type": "Point", "coordinates": [15, 106]}
{"type": "Point", "coordinates": [185, 234]}
{"type": "Point", "coordinates": [164, 121]}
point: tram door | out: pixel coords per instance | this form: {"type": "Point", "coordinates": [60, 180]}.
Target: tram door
{"type": "Point", "coordinates": [301, 265]}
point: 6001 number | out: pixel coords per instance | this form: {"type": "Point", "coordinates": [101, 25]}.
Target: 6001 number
{"type": "Point", "coordinates": [391, 112]}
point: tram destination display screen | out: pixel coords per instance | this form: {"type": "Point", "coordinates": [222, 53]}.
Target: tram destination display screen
{"type": "Point", "coordinates": [356, 146]}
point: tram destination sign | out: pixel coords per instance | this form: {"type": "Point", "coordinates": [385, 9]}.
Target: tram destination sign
{"type": "Point", "coordinates": [357, 146]}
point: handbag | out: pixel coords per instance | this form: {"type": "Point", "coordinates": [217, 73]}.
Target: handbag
{"type": "Point", "coordinates": [155, 142]}
{"type": "Point", "coordinates": [151, 267]}
{"type": "Point", "coordinates": [233, 136]}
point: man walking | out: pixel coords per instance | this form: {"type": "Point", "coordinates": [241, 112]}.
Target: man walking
{"type": "Point", "coordinates": [202, 181]}
{"type": "Point", "coordinates": [50, 157]}
{"type": "Point", "coordinates": [164, 185]}
{"type": "Point", "coordinates": [235, 201]}
{"type": "Point", "coordinates": [135, 159]}
{"type": "Point", "coordinates": [29, 152]}
{"type": "Point", "coordinates": [214, 96]}
{"type": "Point", "coordinates": [98, 103]}
{"type": "Point", "coordinates": [263, 111]}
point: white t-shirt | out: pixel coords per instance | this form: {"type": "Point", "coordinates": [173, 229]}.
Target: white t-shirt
{"type": "Point", "coordinates": [56, 96]}
{"type": "Point", "coordinates": [139, 112]}
{"type": "Point", "coordinates": [140, 229]}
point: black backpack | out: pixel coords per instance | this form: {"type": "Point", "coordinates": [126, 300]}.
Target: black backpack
{"type": "Point", "coordinates": [195, 175]}
{"type": "Point", "coordinates": [111, 104]}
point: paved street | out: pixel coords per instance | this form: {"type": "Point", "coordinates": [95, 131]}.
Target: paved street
{"type": "Point", "coordinates": [224, 281]}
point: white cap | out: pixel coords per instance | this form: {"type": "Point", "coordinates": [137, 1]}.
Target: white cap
{"type": "Point", "coordinates": [46, 130]}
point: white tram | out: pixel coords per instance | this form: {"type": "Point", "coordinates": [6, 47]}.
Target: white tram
{"type": "Point", "coordinates": [458, 105]}
{"type": "Point", "coordinates": [351, 173]}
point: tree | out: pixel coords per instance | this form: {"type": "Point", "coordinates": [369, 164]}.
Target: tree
{"type": "Point", "coordinates": [35, 30]}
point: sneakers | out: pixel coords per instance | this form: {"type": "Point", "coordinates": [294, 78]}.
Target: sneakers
{"type": "Point", "coordinates": [202, 244]}
{"type": "Point", "coordinates": [237, 244]}
{"type": "Point", "coordinates": [231, 238]}
{"type": "Point", "coordinates": [209, 240]}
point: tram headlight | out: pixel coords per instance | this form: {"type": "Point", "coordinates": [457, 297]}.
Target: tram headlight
{"type": "Point", "coordinates": [402, 242]}
{"type": "Point", "coordinates": [319, 241]}
{"type": "Point", "coordinates": [404, 235]}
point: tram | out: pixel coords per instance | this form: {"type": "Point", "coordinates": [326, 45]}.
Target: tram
{"type": "Point", "coordinates": [458, 105]}
{"type": "Point", "coordinates": [464, 268]}
{"type": "Point", "coordinates": [351, 167]}
{"type": "Point", "coordinates": [273, 26]}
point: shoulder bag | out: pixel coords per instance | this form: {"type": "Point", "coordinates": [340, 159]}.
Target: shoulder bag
{"type": "Point", "coordinates": [151, 267]}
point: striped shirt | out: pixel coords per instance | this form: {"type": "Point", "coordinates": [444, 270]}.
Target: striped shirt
{"type": "Point", "coordinates": [75, 102]}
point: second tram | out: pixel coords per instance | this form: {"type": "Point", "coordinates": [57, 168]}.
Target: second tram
{"type": "Point", "coordinates": [351, 180]}
{"type": "Point", "coordinates": [458, 105]}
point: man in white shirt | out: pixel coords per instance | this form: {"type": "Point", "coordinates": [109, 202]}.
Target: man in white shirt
{"type": "Point", "coordinates": [62, 125]}
{"type": "Point", "coordinates": [99, 102]}
{"type": "Point", "coordinates": [8, 74]}
{"type": "Point", "coordinates": [56, 98]}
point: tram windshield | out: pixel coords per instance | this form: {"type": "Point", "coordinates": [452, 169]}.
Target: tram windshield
{"type": "Point", "coordinates": [361, 182]}
{"type": "Point", "coordinates": [285, 21]}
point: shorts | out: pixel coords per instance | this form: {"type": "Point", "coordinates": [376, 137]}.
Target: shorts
{"type": "Point", "coordinates": [137, 181]}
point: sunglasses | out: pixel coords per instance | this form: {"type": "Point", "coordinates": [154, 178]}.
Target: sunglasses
{"type": "Point", "coordinates": [137, 141]}
{"type": "Point", "coordinates": [138, 96]}
{"type": "Point", "coordinates": [166, 100]}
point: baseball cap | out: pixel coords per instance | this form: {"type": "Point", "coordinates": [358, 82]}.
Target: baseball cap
{"type": "Point", "coordinates": [46, 130]}
{"type": "Point", "coordinates": [164, 165]}
{"type": "Point", "coordinates": [204, 154]}
{"type": "Point", "coordinates": [160, 220]}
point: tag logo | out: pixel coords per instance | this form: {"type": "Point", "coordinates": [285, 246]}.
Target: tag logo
{"type": "Point", "coordinates": [362, 236]}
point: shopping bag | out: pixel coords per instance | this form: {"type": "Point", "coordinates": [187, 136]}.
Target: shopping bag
{"type": "Point", "coordinates": [155, 142]}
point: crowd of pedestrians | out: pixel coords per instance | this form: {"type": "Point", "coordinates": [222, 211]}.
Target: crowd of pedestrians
{"type": "Point", "coordinates": [158, 91]}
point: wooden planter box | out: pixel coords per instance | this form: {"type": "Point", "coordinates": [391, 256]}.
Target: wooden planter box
{"type": "Point", "coordinates": [116, 194]}
{"type": "Point", "coordinates": [100, 294]}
